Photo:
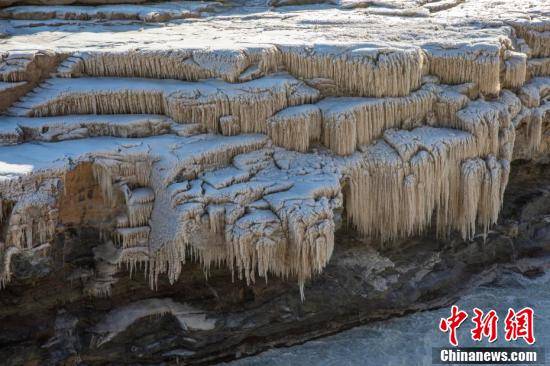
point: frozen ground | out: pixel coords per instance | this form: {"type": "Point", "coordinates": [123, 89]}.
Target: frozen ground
{"type": "Point", "coordinates": [407, 23]}
{"type": "Point", "coordinates": [408, 341]}
{"type": "Point", "coordinates": [150, 12]}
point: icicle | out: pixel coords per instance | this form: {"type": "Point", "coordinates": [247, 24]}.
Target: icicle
{"type": "Point", "coordinates": [536, 36]}
{"type": "Point", "coordinates": [125, 169]}
{"type": "Point", "coordinates": [310, 226]}
{"type": "Point", "coordinates": [339, 135]}
{"type": "Point", "coordinates": [528, 129]}
{"type": "Point", "coordinates": [5, 270]}
{"type": "Point", "coordinates": [538, 67]}
{"type": "Point", "coordinates": [533, 92]}
{"type": "Point", "coordinates": [103, 102]}
{"type": "Point", "coordinates": [479, 64]}
{"type": "Point", "coordinates": [133, 257]}
{"type": "Point", "coordinates": [132, 236]}
{"type": "Point", "coordinates": [216, 214]}
{"type": "Point", "coordinates": [257, 243]}
{"type": "Point", "coordinates": [33, 218]}
{"type": "Point", "coordinates": [395, 188]}
{"type": "Point", "coordinates": [139, 205]}
{"type": "Point", "coordinates": [534, 132]}
{"type": "Point", "coordinates": [515, 69]}
{"type": "Point", "coordinates": [230, 126]}
{"type": "Point", "coordinates": [292, 128]}
{"type": "Point", "coordinates": [374, 116]}
{"type": "Point", "coordinates": [189, 64]}
{"type": "Point", "coordinates": [377, 72]}
{"type": "Point", "coordinates": [139, 213]}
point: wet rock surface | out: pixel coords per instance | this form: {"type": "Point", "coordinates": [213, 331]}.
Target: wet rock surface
{"type": "Point", "coordinates": [46, 319]}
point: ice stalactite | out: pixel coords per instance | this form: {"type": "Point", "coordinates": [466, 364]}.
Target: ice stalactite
{"type": "Point", "coordinates": [310, 226]}
{"type": "Point", "coordinates": [5, 268]}
{"type": "Point", "coordinates": [536, 34]}
{"type": "Point", "coordinates": [103, 102]}
{"type": "Point", "coordinates": [491, 124]}
{"type": "Point", "coordinates": [327, 87]}
{"type": "Point", "coordinates": [262, 101]}
{"type": "Point", "coordinates": [16, 66]}
{"type": "Point", "coordinates": [106, 258]}
{"type": "Point", "coordinates": [306, 210]}
{"type": "Point", "coordinates": [539, 42]}
{"type": "Point", "coordinates": [366, 119]}
{"type": "Point", "coordinates": [138, 214]}
{"type": "Point", "coordinates": [420, 170]}
{"type": "Point", "coordinates": [114, 172]}
{"type": "Point", "coordinates": [483, 183]}
{"type": "Point", "coordinates": [186, 64]}
{"type": "Point", "coordinates": [515, 69]}
{"type": "Point", "coordinates": [216, 218]}
{"type": "Point", "coordinates": [139, 204]}
{"type": "Point", "coordinates": [33, 219]}
{"type": "Point", "coordinates": [133, 236]}
{"type": "Point", "coordinates": [538, 67]}
{"type": "Point", "coordinates": [61, 128]}
{"type": "Point", "coordinates": [447, 102]}
{"type": "Point", "coordinates": [135, 258]}
{"type": "Point", "coordinates": [340, 134]}
{"type": "Point", "coordinates": [30, 222]}
{"type": "Point", "coordinates": [414, 151]}
{"type": "Point", "coordinates": [202, 102]}
{"type": "Point", "coordinates": [356, 70]}
{"type": "Point", "coordinates": [370, 117]}
{"type": "Point", "coordinates": [479, 64]}
{"type": "Point", "coordinates": [182, 222]}
{"type": "Point", "coordinates": [251, 216]}
{"type": "Point", "coordinates": [529, 126]}
{"type": "Point", "coordinates": [297, 242]}
{"type": "Point", "coordinates": [228, 64]}
{"type": "Point", "coordinates": [533, 92]}
{"type": "Point", "coordinates": [533, 120]}
{"type": "Point", "coordinates": [257, 242]}
{"type": "Point", "coordinates": [294, 127]}
{"type": "Point", "coordinates": [359, 71]}
{"type": "Point", "coordinates": [230, 125]}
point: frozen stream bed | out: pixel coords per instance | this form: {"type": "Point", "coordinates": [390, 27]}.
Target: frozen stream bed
{"type": "Point", "coordinates": [409, 340]}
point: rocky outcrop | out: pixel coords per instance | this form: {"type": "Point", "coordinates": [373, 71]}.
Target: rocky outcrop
{"type": "Point", "coordinates": [68, 2]}
{"type": "Point", "coordinates": [178, 162]}
{"type": "Point", "coordinates": [101, 10]}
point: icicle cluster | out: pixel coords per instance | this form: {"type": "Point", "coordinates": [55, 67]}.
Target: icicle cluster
{"type": "Point", "coordinates": [294, 127]}
{"type": "Point", "coordinates": [400, 182]}
{"type": "Point", "coordinates": [410, 150]}
{"type": "Point", "coordinates": [479, 64]}
{"type": "Point", "coordinates": [204, 102]}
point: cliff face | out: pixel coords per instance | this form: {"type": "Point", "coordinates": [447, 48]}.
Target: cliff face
{"type": "Point", "coordinates": [143, 177]}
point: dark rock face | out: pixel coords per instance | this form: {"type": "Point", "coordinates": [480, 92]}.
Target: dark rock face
{"type": "Point", "coordinates": [47, 320]}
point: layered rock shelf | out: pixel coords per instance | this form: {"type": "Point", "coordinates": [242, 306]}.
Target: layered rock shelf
{"type": "Point", "coordinates": [181, 144]}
